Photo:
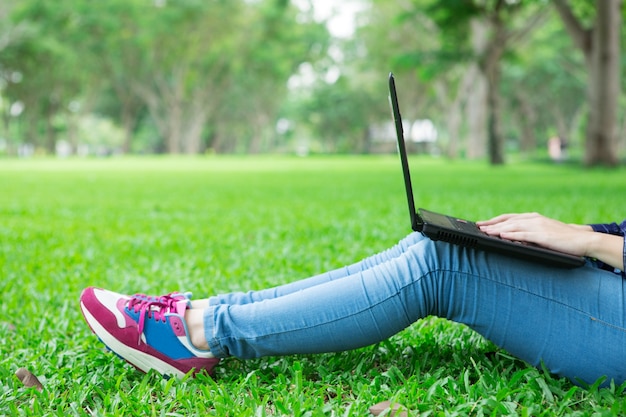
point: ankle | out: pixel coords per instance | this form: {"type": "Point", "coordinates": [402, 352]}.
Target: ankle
{"type": "Point", "coordinates": [200, 304]}
{"type": "Point", "coordinates": [195, 326]}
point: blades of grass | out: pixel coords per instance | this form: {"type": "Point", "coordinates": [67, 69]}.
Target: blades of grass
{"type": "Point", "coordinates": [545, 390]}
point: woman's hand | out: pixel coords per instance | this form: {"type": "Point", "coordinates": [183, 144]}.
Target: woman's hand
{"type": "Point", "coordinates": [541, 230]}
{"type": "Point", "coordinates": [579, 240]}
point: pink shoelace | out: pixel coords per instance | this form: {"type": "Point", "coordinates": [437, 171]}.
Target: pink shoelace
{"type": "Point", "coordinates": [156, 307]}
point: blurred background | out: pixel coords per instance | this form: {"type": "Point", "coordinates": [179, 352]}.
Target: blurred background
{"type": "Point", "coordinates": [477, 79]}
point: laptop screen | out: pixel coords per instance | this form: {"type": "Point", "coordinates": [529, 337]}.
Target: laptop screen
{"type": "Point", "coordinates": [397, 118]}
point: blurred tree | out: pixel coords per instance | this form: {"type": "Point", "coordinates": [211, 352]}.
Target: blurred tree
{"type": "Point", "coordinates": [278, 39]}
{"type": "Point", "coordinates": [507, 23]}
{"type": "Point", "coordinates": [228, 70]}
{"type": "Point", "coordinates": [184, 78]}
{"type": "Point", "coordinates": [381, 43]}
{"type": "Point", "coordinates": [544, 88]}
{"type": "Point", "coordinates": [338, 114]}
{"type": "Point", "coordinates": [10, 33]}
{"type": "Point", "coordinates": [199, 69]}
{"type": "Point", "coordinates": [107, 39]}
{"type": "Point", "coordinates": [456, 49]}
{"type": "Point", "coordinates": [596, 32]}
{"type": "Point", "coordinates": [448, 75]}
{"type": "Point", "coordinates": [187, 75]}
{"type": "Point", "coordinates": [46, 73]}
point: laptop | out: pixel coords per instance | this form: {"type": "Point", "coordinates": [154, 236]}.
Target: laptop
{"type": "Point", "coordinates": [464, 232]}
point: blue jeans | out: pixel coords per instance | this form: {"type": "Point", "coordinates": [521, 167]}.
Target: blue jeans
{"type": "Point", "coordinates": [571, 320]}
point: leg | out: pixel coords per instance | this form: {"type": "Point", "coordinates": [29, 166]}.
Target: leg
{"type": "Point", "coordinates": [164, 333]}
{"type": "Point", "coordinates": [572, 320]}
{"type": "Point", "coordinates": [255, 296]}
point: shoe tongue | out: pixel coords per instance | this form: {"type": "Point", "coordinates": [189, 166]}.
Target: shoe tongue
{"type": "Point", "coordinates": [180, 307]}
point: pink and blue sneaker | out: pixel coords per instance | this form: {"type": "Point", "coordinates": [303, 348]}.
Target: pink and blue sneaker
{"type": "Point", "coordinates": [149, 332]}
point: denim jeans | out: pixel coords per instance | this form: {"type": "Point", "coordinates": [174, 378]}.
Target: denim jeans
{"type": "Point", "coordinates": [572, 320]}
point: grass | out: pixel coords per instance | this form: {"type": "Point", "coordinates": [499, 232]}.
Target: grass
{"type": "Point", "coordinates": [230, 223]}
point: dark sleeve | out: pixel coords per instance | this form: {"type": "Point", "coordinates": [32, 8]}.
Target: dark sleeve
{"type": "Point", "coordinates": [610, 228]}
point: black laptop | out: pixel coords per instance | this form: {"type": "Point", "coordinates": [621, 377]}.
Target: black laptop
{"type": "Point", "coordinates": [464, 232]}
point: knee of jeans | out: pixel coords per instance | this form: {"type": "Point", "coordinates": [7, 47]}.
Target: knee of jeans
{"type": "Point", "coordinates": [427, 254]}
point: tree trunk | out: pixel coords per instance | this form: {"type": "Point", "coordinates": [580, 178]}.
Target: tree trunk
{"type": "Point", "coordinates": [192, 139]}
{"type": "Point", "coordinates": [129, 121]}
{"type": "Point", "coordinates": [50, 144]}
{"type": "Point", "coordinates": [256, 143]}
{"type": "Point", "coordinates": [173, 121]}
{"type": "Point", "coordinates": [129, 113]}
{"type": "Point", "coordinates": [527, 119]}
{"type": "Point", "coordinates": [454, 124]}
{"type": "Point", "coordinates": [491, 68]}
{"type": "Point", "coordinates": [601, 47]}
{"type": "Point", "coordinates": [604, 85]}
{"type": "Point", "coordinates": [476, 111]}
{"type": "Point", "coordinates": [476, 106]}
{"type": "Point", "coordinates": [454, 115]}
{"type": "Point", "coordinates": [489, 65]}
{"type": "Point", "coordinates": [496, 140]}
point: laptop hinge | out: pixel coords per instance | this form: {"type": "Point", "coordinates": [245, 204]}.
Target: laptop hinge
{"type": "Point", "coordinates": [418, 224]}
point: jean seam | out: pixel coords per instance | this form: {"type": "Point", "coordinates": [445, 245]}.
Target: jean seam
{"type": "Point", "coordinates": [607, 324]}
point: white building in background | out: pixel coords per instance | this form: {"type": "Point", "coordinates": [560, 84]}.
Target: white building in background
{"type": "Point", "coordinates": [422, 131]}
{"type": "Point", "coordinates": [420, 136]}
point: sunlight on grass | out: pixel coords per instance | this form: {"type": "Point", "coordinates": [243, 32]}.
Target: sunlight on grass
{"type": "Point", "coordinates": [218, 224]}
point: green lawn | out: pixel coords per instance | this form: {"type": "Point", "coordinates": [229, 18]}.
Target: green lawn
{"type": "Point", "coordinates": [214, 224]}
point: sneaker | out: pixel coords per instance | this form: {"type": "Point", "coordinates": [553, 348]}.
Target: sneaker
{"type": "Point", "coordinates": [149, 332]}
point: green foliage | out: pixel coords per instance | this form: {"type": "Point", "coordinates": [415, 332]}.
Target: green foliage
{"type": "Point", "coordinates": [584, 10]}
{"type": "Point", "coordinates": [47, 64]}
{"type": "Point", "coordinates": [452, 16]}
{"type": "Point", "coordinates": [339, 114]}
{"type": "Point", "coordinates": [212, 76]}
{"type": "Point", "coordinates": [551, 77]}
{"type": "Point", "coordinates": [221, 224]}
{"type": "Point", "coordinates": [177, 63]}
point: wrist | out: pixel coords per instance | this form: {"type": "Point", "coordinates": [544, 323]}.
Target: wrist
{"type": "Point", "coordinates": [606, 248]}
{"type": "Point", "coordinates": [594, 242]}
